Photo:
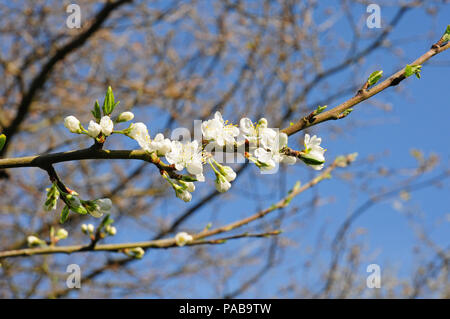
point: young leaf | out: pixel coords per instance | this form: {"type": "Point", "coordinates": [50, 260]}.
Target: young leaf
{"type": "Point", "coordinates": [320, 109]}
{"type": "Point", "coordinates": [374, 77]}
{"type": "Point", "coordinates": [96, 111]}
{"type": "Point", "coordinates": [413, 69]}
{"type": "Point", "coordinates": [52, 197]}
{"type": "Point", "coordinates": [2, 141]}
{"type": "Point", "coordinates": [64, 214]}
{"type": "Point", "coordinates": [446, 36]}
{"type": "Point", "coordinates": [310, 160]}
{"type": "Point", "coordinates": [108, 103]}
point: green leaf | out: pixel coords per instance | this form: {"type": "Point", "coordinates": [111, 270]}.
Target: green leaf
{"type": "Point", "coordinates": [76, 205]}
{"type": "Point", "coordinates": [187, 178]}
{"type": "Point", "coordinates": [374, 77]}
{"type": "Point", "coordinates": [347, 112]}
{"type": "Point", "coordinates": [446, 36]}
{"type": "Point", "coordinates": [310, 160]}
{"type": "Point", "coordinates": [64, 214]}
{"type": "Point", "coordinates": [2, 141]}
{"type": "Point", "coordinates": [52, 197]}
{"type": "Point", "coordinates": [413, 69]}
{"type": "Point", "coordinates": [108, 103]}
{"type": "Point", "coordinates": [96, 111]}
{"type": "Point", "coordinates": [320, 109]}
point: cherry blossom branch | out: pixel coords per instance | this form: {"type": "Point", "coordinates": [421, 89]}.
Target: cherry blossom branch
{"type": "Point", "coordinates": [268, 148]}
{"type": "Point", "coordinates": [197, 239]}
{"type": "Point", "coordinates": [338, 112]}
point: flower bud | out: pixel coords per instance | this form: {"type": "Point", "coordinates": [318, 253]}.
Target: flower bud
{"type": "Point", "coordinates": [62, 233]}
{"type": "Point", "coordinates": [227, 172]}
{"type": "Point", "coordinates": [222, 185]}
{"type": "Point", "coordinates": [99, 207]}
{"type": "Point", "coordinates": [33, 241]}
{"type": "Point", "coordinates": [84, 228]}
{"type": "Point", "coordinates": [107, 125]}
{"type": "Point", "coordinates": [125, 117]}
{"type": "Point", "coordinates": [90, 228]}
{"type": "Point", "coordinates": [111, 230]}
{"type": "Point", "coordinates": [137, 252]}
{"type": "Point", "coordinates": [72, 124]}
{"type": "Point", "coordinates": [183, 238]}
{"type": "Point", "coordinates": [94, 129]}
{"type": "Point", "coordinates": [189, 186]}
{"type": "Point", "coordinates": [184, 195]}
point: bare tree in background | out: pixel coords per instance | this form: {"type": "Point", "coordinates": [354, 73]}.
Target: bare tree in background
{"type": "Point", "coordinates": [172, 62]}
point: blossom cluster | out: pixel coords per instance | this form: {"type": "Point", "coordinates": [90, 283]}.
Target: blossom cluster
{"type": "Point", "coordinates": [264, 146]}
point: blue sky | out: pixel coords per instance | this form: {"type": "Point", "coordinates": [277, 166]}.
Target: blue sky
{"type": "Point", "coordinates": [418, 120]}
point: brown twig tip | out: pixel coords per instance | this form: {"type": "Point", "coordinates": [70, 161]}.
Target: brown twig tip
{"type": "Point", "coordinates": [363, 89]}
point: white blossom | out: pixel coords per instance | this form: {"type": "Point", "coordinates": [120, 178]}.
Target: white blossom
{"type": "Point", "coordinates": [221, 183]}
{"type": "Point", "coordinates": [248, 130]}
{"type": "Point", "coordinates": [125, 117]}
{"type": "Point", "coordinates": [160, 145]}
{"type": "Point", "coordinates": [187, 155]}
{"type": "Point", "coordinates": [314, 153]}
{"type": "Point", "coordinates": [94, 129]}
{"type": "Point", "coordinates": [272, 154]}
{"type": "Point", "coordinates": [72, 124]}
{"type": "Point", "coordinates": [219, 131]}
{"type": "Point", "coordinates": [139, 132]}
{"type": "Point", "coordinates": [257, 135]}
{"type": "Point", "coordinates": [107, 125]}
{"type": "Point", "coordinates": [100, 206]}
{"type": "Point", "coordinates": [265, 157]}
{"type": "Point", "coordinates": [183, 238]}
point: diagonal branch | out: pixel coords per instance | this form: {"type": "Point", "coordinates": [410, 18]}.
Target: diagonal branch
{"type": "Point", "coordinates": [155, 244]}
{"type": "Point", "coordinates": [337, 112]}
